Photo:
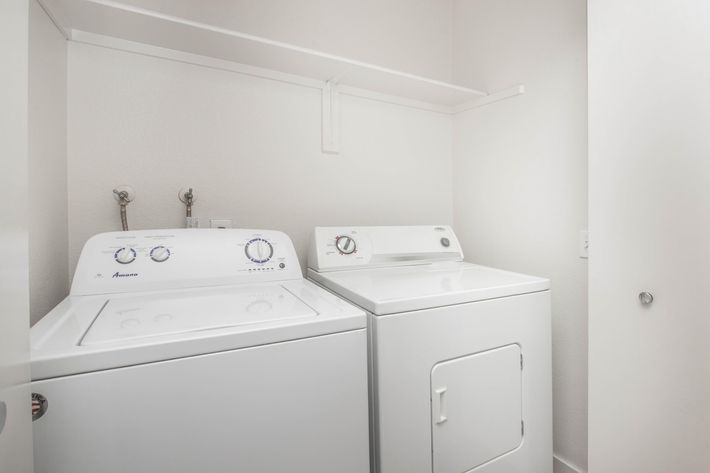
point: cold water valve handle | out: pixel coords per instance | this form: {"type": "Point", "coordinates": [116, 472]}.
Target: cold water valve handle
{"type": "Point", "coordinates": [188, 197]}
{"type": "Point", "coordinates": [124, 195]}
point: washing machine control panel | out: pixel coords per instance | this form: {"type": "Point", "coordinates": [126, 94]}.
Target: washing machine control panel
{"type": "Point", "coordinates": [335, 248]}
{"type": "Point", "coordinates": [171, 259]}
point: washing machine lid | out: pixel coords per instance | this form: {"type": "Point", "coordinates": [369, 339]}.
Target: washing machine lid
{"type": "Point", "coordinates": [392, 290]}
{"type": "Point", "coordinates": [153, 315]}
{"type": "Point", "coordinates": [92, 333]}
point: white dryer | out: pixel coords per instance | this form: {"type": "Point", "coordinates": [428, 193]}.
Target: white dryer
{"type": "Point", "coordinates": [460, 366]}
{"type": "Point", "coordinates": [190, 351]}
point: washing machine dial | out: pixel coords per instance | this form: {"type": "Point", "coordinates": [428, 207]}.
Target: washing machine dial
{"type": "Point", "coordinates": [159, 254]}
{"type": "Point", "coordinates": [345, 245]}
{"type": "Point", "coordinates": [259, 250]}
{"type": "Point", "coordinates": [125, 255]}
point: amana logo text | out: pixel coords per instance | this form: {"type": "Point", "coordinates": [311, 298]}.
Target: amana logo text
{"type": "Point", "coordinates": [124, 275]}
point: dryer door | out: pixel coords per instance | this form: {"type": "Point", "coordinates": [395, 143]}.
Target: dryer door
{"type": "Point", "coordinates": [476, 404]}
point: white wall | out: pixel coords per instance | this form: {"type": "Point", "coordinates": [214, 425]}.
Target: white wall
{"type": "Point", "coordinates": [15, 422]}
{"type": "Point", "coordinates": [49, 268]}
{"type": "Point", "coordinates": [649, 195]}
{"type": "Point", "coordinates": [249, 146]}
{"type": "Point", "coordinates": [159, 126]}
{"type": "Point", "coordinates": [520, 172]}
{"type": "Point", "coordinates": [414, 36]}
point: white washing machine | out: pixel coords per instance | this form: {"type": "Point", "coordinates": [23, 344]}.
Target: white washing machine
{"type": "Point", "coordinates": [460, 367]}
{"type": "Point", "coordinates": [189, 351]}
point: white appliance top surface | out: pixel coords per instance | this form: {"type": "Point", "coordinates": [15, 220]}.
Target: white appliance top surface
{"type": "Point", "coordinates": [89, 333]}
{"type": "Point", "coordinates": [150, 315]}
{"type": "Point", "coordinates": [397, 289]}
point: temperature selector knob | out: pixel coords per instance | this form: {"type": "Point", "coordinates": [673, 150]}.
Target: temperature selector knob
{"type": "Point", "coordinates": [159, 254]}
{"type": "Point", "coordinates": [259, 250]}
{"type": "Point", "coordinates": [345, 245]}
{"type": "Point", "coordinates": [125, 255]}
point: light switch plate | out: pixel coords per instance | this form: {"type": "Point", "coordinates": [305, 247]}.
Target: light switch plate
{"type": "Point", "coordinates": [584, 244]}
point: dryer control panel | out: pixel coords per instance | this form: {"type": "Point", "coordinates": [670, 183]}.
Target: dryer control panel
{"type": "Point", "coordinates": [147, 260]}
{"type": "Point", "coordinates": [336, 248]}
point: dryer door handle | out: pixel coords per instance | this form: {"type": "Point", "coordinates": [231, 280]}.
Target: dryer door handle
{"type": "Point", "coordinates": [439, 405]}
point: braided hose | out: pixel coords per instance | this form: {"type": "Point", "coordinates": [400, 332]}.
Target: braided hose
{"type": "Point", "coordinates": [188, 202]}
{"type": "Point", "coordinates": [123, 200]}
{"type": "Point", "coordinates": [124, 218]}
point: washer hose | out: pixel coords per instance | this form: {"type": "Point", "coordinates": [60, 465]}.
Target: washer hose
{"type": "Point", "coordinates": [123, 200]}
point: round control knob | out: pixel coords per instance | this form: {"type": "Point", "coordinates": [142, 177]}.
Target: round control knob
{"type": "Point", "coordinates": [159, 254]}
{"type": "Point", "coordinates": [259, 250]}
{"type": "Point", "coordinates": [345, 245]}
{"type": "Point", "coordinates": [125, 255]}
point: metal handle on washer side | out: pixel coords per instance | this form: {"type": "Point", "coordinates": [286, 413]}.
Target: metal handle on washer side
{"type": "Point", "coordinates": [439, 407]}
{"type": "Point", "coordinates": [39, 406]}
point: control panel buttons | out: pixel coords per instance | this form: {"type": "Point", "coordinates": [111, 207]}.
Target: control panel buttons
{"type": "Point", "coordinates": [125, 255]}
{"type": "Point", "coordinates": [259, 250]}
{"type": "Point", "coordinates": [345, 245]}
{"type": "Point", "coordinates": [159, 254]}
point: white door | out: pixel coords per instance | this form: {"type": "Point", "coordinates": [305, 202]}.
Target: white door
{"type": "Point", "coordinates": [476, 407]}
{"type": "Point", "coordinates": [15, 423]}
{"type": "Point", "coordinates": [649, 123]}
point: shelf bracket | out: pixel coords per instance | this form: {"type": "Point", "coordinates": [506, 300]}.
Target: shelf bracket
{"type": "Point", "coordinates": [330, 118]}
{"type": "Point", "coordinates": [491, 98]}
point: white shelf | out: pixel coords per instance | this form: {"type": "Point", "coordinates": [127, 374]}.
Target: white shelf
{"type": "Point", "coordinates": [114, 19]}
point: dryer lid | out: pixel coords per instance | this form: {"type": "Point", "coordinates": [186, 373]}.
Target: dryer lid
{"type": "Point", "coordinates": [401, 289]}
{"type": "Point", "coordinates": [134, 317]}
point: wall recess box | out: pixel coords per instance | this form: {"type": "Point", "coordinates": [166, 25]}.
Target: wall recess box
{"type": "Point", "coordinates": [220, 223]}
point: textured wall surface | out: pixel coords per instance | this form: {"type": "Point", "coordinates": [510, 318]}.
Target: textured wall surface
{"type": "Point", "coordinates": [47, 166]}
{"type": "Point", "coordinates": [250, 147]}
{"type": "Point", "coordinates": [520, 172]}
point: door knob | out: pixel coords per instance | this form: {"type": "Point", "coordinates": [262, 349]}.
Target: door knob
{"type": "Point", "coordinates": [646, 298]}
